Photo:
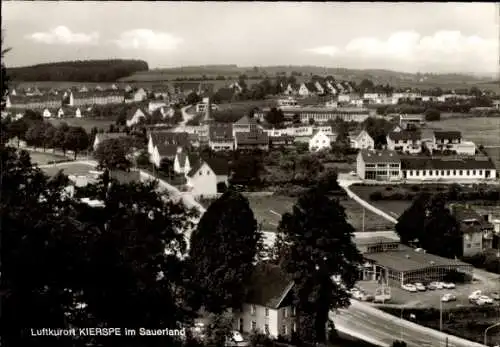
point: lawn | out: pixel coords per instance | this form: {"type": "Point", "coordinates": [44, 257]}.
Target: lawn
{"type": "Point", "coordinates": [481, 130]}
{"type": "Point", "coordinates": [69, 169]}
{"type": "Point", "coordinates": [372, 221]}
{"type": "Point", "coordinates": [268, 209]}
{"type": "Point", "coordinates": [494, 154]}
{"type": "Point", "coordinates": [86, 123]}
{"type": "Point", "coordinates": [392, 207]}
{"type": "Point", "coordinates": [42, 158]}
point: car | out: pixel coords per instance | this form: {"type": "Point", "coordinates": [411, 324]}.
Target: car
{"type": "Point", "coordinates": [486, 299]}
{"type": "Point", "coordinates": [236, 340]}
{"type": "Point", "coordinates": [475, 294]}
{"type": "Point", "coordinates": [409, 288]}
{"type": "Point", "coordinates": [449, 285]}
{"type": "Point", "coordinates": [439, 285]}
{"type": "Point", "coordinates": [495, 296]}
{"type": "Point", "coordinates": [368, 297]}
{"type": "Point", "coordinates": [431, 286]}
{"type": "Point", "coordinates": [448, 297]}
{"type": "Point", "coordinates": [420, 287]}
{"type": "Point", "coordinates": [353, 173]}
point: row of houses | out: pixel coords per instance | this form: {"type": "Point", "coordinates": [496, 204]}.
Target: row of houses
{"type": "Point", "coordinates": [387, 165]}
{"type": "Point", "coordinates": [320, 114]}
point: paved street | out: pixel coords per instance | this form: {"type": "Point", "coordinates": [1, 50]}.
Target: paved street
{"type": "Point", "coordinates": [385, 328]}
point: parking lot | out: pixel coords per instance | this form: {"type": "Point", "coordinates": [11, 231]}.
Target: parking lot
{"type": "Point", "coordinates": [431, 298]}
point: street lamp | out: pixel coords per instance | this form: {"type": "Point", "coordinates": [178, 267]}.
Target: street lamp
{"type": "Point", "coordinates": [486, 333]}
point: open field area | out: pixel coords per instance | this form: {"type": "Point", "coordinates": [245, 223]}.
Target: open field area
{"type": "Point", "coordinates": [494, 154]}
{"type": "Point", "coordinates": [372, 221]}
{"type": "Point", "coordinates": [481, 130]}
{"type": "Point", "coordinates": [86, 123]}
{"type": "Point", "coordinates": [69, 169]}
{"type": "Point", "coordinates": [394, 208]}
{"type": "Point", "coordinates": [42, 158]}
{"type": "Point", "coordinates": [268, 209]}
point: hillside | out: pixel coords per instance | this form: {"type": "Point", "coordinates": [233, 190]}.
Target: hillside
{"type": "Point", "coordinates": [79, 71]}
{"type": "Point", "coordinates": [231, 72]}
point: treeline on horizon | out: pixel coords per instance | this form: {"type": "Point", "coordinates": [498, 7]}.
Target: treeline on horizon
{"type": "Point", "coordinates": [109, 70]}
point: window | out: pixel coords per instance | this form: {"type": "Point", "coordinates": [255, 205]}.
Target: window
{"type": "Point", "coordinates": [267, 312]}
{"type": "Point", "coordinates": [447, 172]}
{"type": "Point", "coordinates": [200, 173]}
{"type": "Point", "coordinates": [436, 173]}
{"type": "Point", "coordinates": [480, 172]}
{"type": "Point", "coordinates": [460, 172]}
{"type": "Point", "coordinates": [442, 172]}
{"type": "Point", "coordinates": [285, 312]}
{"type": "Point", "coordinates": [254, 325]}
{"type": "Point", "coordinates": [293, 311]}
{"type": "Point", "coordinates": [468, 245]}
{"type": "Point", "coordinates": [454, 172]}
{"type": "Point", "coordinates": [266, 329]}
{"type": "Point", "coordinates": [208, 172]}
{"type": "Point", "coordinates": [468, 173]}
{"type": "Point", "coordinates": [477, 244]}
{"type": "Point", "coordinates": [294, 327]}
{"type": "Point", "coordinates": [474, 172]}
{"type": "Point", "coordinates": [423, 172]}
{"type": "Point", "coordinates": [284, 329]}
{"type": "Point", "coordinates": [253, 309]}
{"type": "Point", "coordinates": [417, 173]}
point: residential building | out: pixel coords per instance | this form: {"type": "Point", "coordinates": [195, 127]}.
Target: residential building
{"type": "Point", "coordinates": [103, 97]}
{"type": "Point", "coordinates": [289, 102]}
{"type": "Point", "coordinates": [35, 102]}
{"type": "Point", "coordinates": [220, 137]}
{"type": "Point", "coordinates": [451, 141]}
{"type": "Point", "coordinates": [291, 89]}
{"type": "Point", "coordinates": [202, 107]}
{"type": "Point", "coordinates": [406, 141]}
{"type": "Point", "coordinates": [156, 104]}
{"type": "Point", "coordinates": [101, 137]}
{"type": "Point", "coordinates": [140, 95]}
{"type": "Point", "coordinates": [363, 141]}
{"type": "Point", "coordinates": [477, 231]}
{"type": "Point", "coordinates": [164, 151]}
{"type": "Point", "coordinates": [135, 116]}
{"type": "Point", "coordinates": [253, 140]}
{"type": "Point", "coordinates": [320, 141]}
{"type": "Point", "coordinates": [185, 161]}
{"type": "Point", "coordinates": [322, 114]}
{"type": "Point", "coordinates": [204, 177]}
{"type": "Point", "coordinates": [379, 165]}
{"type": "Point", "coordinates": [281, 141]}
{"type": "Point", "coordinates": [330, 85]}
{"type": "Point", "coordinates": [46, 113]}
{"type": "Point", "coordinates": [268, 308]}
{"type": "Point", "coordinates": [411, 119]}
{"type": "Point", "coordinates": [448, 168]}
{"type": "Point", "coordinates": [320, 88]}
{"type": "Point", "coordinates": [307, 89]}
{"type": "Point", "coordinates": [168, 142]}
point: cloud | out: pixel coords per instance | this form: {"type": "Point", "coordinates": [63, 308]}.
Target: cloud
{"type": "Point", "coordinates": [149, 40]}
{"type": "Point", "coordinates": [63, 35]}
{"type": "Point", "coordinates": [444, 48]}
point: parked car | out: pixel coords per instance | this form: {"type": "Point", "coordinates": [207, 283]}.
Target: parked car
{"type": "Point", "coordinates": [436, 285]}
{"type": "Point", "coordinates": [420, 287]}
{"type": "Point", "coordinates": [486, 299]}
{"type": "Point", "coordinates": [410, 288]}
{"type": "Point", "coordinates": [368, 297]}
{"type": "Point", "coordinates": [449, 285]}
{"type": "Point", "coordinates": [448, 297]}
{"type": "Point", "coordinates": [236, 340]}
{"type": "Point", "coordinates": [431, 286]}
{"type": "Point", "coordinates": [495, 296]}
{"type": "Point", "coordinates": [474, 295]}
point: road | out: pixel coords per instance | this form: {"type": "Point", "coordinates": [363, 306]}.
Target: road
{"type": "Point", "coordinates": [185, 118]}
{"type": "Point", "coordinates": [382, 329]}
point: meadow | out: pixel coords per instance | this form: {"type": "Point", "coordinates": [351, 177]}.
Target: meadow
{"type": "Point", "coordinates": [481, 130]}
{"type": "Point", "coordinates": [86, 123]}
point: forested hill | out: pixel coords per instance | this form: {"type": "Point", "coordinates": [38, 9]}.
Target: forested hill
{"type": "Point", "coordinates": [79, 71]}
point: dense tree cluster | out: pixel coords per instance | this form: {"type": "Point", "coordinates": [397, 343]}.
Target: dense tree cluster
{"type": "Point", "coordinates": [79, 71]}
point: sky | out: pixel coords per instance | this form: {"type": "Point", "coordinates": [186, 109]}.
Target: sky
{"type": "Point", "coordinates": [408, 37]}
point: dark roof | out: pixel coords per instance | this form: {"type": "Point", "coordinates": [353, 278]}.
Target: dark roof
{"type": "Point", "coordinates": [268, 286]}
{"type": "Point", "coordinates": [252, 138]}
{"type": "Point", "coordinates": [167, 150]}
{"type": "Point", "coordinates": [22, 99]}
{"type": "Point", "coordinates": [192, 157]}
{"type": "Point", "coordinates": [170, 138]}
{"type": "Point", "coordinates": [384, 156]}
{"type": "Point", "coordinates": [220, 132]}
{"type": "Point", "coordinates": [445, 135]}
{"type": "Point", "coordinates": [245, 120]}
{"type": "Point", "coordinates": [219, 166]}
{"type": "Point", "coordinates": [405, 135]}
{"type": "Point", "coordinates": [469, 216]}
{"type": "Point", "coordinates": [131, 112]}
{"type": "Point", "coordinates": [398, 260]}
{"type": "Point", "coordinates": [447, 163]}
{"type": "Point", "coordinates": [310, 86]}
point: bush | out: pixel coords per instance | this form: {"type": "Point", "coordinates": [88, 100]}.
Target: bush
{"type": "Point", "coordinates": [376, 196]}
{"type": "Point", "coordinates": [388, 188]}
{"type": "Point", "coordinates": [415, 188]}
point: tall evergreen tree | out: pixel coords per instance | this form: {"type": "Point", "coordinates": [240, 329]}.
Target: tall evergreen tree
{"type": "Point", "coordinates": [411, 222]}
{"type": "Point", "coordinates": [318, 245]}
{"type": "Point", "coordinates": [223, 249]}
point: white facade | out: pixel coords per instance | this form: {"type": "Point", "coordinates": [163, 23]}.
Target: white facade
{"type": "Point", "coordinates": [404, 145]}
{"type": "Point", "coordinates": [154, 105]}
{"type": "Point", "coordinates": [78, 113]}
{"type": "Point", "coordinates": [46, 113]}
{"type": "Point", "coordinates": [363, 141]}
{"type": "Point", "coordinates": [319, 87]}
{"type": "Point", "coordinates": [136, 118]}
{"type": "Point", "coordinates": [140, 95]}
{"type": "Point", "coordinates": [203, 182]}
{"type": "Point", "coordinates": [182, 169]}
{"type": "Point", "coordinates": [344, 98]}
{"type": "Point", "coordinates": [451, 175]}
{"type": "Point", "coordinates": [331, 88]}
{"type": "Point", "coordinates": [319, 141]}
{"type": "Point", "coordinates": [304, 91]}
{"type": "Point", "coordinates": [60, 113]}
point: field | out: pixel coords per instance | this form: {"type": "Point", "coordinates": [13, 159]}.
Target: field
{"type": "Point", "coordinates": [68, 169]}
{"type": "Point", "coordinates": [42, 158]}
{"type": "Point", "coordinates": [394, 208]}
{"type": "Point", "coordinates": [268, 209]}
{"type": "Point", "coordinates": [86, 123]}
{"type": "Point", "coordinates": [372, 221]}
{"type": "Point", "coordinates": [481, 130]}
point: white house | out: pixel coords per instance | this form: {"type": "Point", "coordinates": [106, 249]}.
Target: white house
{"type": "Point", "coordinates": [140, 95]}
{"type": "Point", "coordinates": [290, 90]}
{"type": "Point", "coordinates": [407, 141]}
{"type": "Point", "coordinates": [451, 141]}
{"type": "Point", "coordinates": [319, 141]}
{"type": "Point", "coordinates": [60, 113]}
{"type": "Point", "coordinates": [319, 87]}
{"type": "Point", "coordinates": [307, 89]}
{"type": "Point", "coordinates": [204, 177]}
{"type": "Point", "coordinates": [47, 113]}
{"type": "Point", "coordinates": [376, 165]}
{"type": "Point", "coordinates": [135, 116]}
{"type": "Point", "coordinates": [363, 141]}
{"type": "Point", "coordinates": [331, 88]}
{"type": "Point", "coordinates": [78, 113]}
{"type": "Point", "coordinates": [156, 104]}
{"type": "Point", "coordinates": [344, 98]}
{"type": "Point", "coordinates": [268, 308]}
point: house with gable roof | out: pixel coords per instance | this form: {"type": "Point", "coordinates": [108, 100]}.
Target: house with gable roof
{"type": "Point", "coordinates": [135, 116]}
{"type": "Point", "coordinates": [205, 175]}
{"type": "Point", "coordinates": [220, 136]}
{"type": "Point", "coordinates": [184, 161]}
{"type": "Point", "coordinates": [165, 145]}
{"type": "Point", "coordinates": [363, 141]}
{"type": "Point", "coordinates": [101, 137]}
{"type": "Point", "coordinates": [268, 307]}
{"type": "Point", "coordinates": [319, 141]}
{"type": "Point", "coordinates": [307, 89]}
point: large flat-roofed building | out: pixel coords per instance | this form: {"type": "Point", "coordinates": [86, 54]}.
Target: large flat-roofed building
{"type": "Point", "coordinates": [378, 165]}
{"type": "Point", "coordinates": [391, 262]}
